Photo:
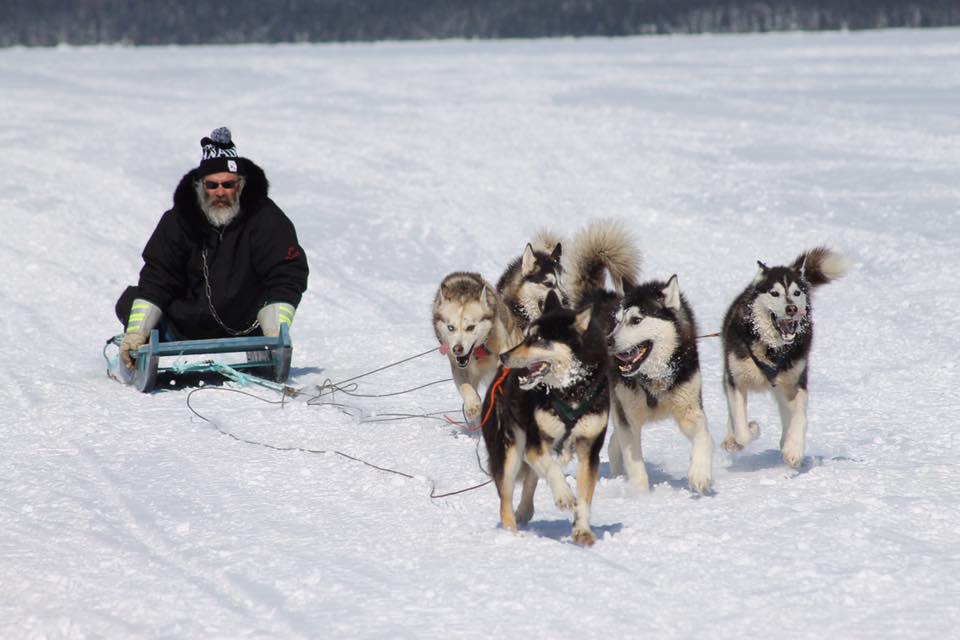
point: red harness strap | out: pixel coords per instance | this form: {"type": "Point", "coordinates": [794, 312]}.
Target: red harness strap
{"type": "Point", "coordinates": [479, 352]}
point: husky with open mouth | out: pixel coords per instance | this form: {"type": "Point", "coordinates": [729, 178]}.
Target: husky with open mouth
{"type": "Point", "coordinates": [655, 373]}
{"type": "Point", "coordinates": [549, 402]}
{"type": "Point", "coordinates": [474, 327]}
{"type": "Point", "coordinates": [767, 334]}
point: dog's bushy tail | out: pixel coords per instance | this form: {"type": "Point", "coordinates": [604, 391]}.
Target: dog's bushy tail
{"type": "Point", "coordinates": [603, 246]}
{"type": "Point", "coordinates": [822, 265]}
{"type": "Point", "coordinates": [546, 240]}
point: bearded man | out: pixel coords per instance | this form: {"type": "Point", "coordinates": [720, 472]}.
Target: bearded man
{"type": "Point", "coordinates": [223, 262]}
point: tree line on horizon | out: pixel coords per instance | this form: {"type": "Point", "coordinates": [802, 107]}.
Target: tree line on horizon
{"type": "Point", "coordinates": [160, 22]}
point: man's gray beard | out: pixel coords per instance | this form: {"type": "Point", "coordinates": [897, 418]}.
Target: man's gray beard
{"type": "Point", "coordinates": [218, 216]}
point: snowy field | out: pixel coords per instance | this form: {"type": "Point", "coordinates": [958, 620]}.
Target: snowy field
{"type": "Point", "coordinates": [126, 516]}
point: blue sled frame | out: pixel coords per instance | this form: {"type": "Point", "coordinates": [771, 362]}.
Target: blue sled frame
{"type": "Point", "coordinates": [148, 356]}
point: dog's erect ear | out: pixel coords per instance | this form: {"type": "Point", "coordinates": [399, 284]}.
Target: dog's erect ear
{"type": "Point", "coordinates": [761, 272]}
{"type": "Point", "coordinates": [555, 254]}
{"type": "Point", "coordinates": [671, 293]}
{"type": "Point", "coordinates": [529, 261]}
{"type": "Point", "coordinates": [628, 286]}
{"type": "Point", "coordinates": [444, 291]}
{"type": "Point", "coordinates": [799, 264]}
{"type": "Point", "coordinates": [552, 302]}
{"type": "Point", "coordinates": [582, 321]}
{"type": "Point", "coordinates": [488, 299]}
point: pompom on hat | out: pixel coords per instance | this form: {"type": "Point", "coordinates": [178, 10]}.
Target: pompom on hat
{"type": "Point", "coordinates": [219, 154]}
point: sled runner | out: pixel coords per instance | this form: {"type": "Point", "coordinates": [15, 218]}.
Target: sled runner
{"type": "Point", "coordinates": [267, 357]}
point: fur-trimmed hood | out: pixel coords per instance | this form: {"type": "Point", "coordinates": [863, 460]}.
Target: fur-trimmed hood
{"type": "Point", "coordinates": [254, 194]}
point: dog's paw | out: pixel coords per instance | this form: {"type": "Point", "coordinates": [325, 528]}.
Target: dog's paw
{"type": "Point", "coordinates": [637, 475]}
{"type": "Point", "coordinates": [730, 444]}
{"type": "Point", "coordinates": [471, 412]}
{"type": "Point", "coordinates": [584, 537]}
{"type": "Point", "coordinates": [640, 484]}
{"type": "Point", "coordinates": [699, 482]}
{"type": "Point", "coordinates": [792, 455]}
{"type": "Point", "coordinates": [524, 515]}
{"type": "Point", "coordinates": [565, 501]}
{"type": "Point", "coordinates": [616, 468]}
{"type": "Point", "coordinates": [742, 437]}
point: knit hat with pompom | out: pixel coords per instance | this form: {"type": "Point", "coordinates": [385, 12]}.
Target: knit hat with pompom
{"type": "Point", "coordinates": [219, 154]}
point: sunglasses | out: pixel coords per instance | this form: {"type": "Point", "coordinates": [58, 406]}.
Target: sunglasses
{"type": "Point", "coordinates": [210, 185]}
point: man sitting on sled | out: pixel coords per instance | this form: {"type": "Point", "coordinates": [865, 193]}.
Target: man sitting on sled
{"type": "Point", "coordinates": [223, 262]}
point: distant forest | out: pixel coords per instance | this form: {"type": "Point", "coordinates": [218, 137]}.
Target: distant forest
{"type": "Point", "coordinates": [154, 22]}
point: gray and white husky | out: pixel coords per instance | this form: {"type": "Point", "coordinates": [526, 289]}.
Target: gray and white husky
{"type": "Point", "coordinates": [474, 327]}
{"type": "Point", "coordinates": [767, 333]}
{"type": "Point", "coordinates": [655, 374]}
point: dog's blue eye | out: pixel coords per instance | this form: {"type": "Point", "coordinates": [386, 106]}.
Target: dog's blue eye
{"type": "Point", "coordinates": [450, 327]}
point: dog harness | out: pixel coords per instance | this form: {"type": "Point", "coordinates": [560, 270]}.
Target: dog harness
{"type": "Point", "coordinates": [570, 416]}
{"type": "Point", "coordinates": [770, 372]}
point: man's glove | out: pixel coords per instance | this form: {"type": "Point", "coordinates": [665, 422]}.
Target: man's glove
{"type": "Point", "coordinates": [144, 316]}
{"type": "Point", "coordinates": [273, 315]}
{"type": "Point", "coordinates": [131, 342]}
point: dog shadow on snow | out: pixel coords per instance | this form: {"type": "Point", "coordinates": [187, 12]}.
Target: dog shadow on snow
{"type": "Point", "coordinates": [560, 529]}
{"type": "Point", "coordinates": [773, 459]}
{"type": "Point", "coordinates": [655, 474]}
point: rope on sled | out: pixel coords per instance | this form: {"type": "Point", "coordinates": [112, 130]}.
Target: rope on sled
{"type": "Point", "coordinates": [228, 372]}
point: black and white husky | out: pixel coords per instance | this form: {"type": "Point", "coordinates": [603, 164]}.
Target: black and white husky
{"type": "Point", "coordinates": [551, 402]}
{"type": "Point", "coordinates": [654, 370]}
{"type": "Point", "coordinates": [767, 333]}
{"type": "Point", "coordinates": [527, 280]}
{"type": "Point", "coordinates": [655, 374]}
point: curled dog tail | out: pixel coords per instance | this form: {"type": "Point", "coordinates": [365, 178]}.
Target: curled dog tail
{"type": "Point", "coordinates": [602, 246]}
{"type": "Point", "coordinates": [821, 265]}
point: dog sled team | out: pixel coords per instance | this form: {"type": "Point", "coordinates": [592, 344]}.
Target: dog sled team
{"type": "Point", "coordinates": [556, 353]}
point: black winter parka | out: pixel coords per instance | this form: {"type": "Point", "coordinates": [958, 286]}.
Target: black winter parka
{"type": "Point", "coordinates": [253, 261]}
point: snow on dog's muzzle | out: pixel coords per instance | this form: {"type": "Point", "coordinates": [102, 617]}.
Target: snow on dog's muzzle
{"type": "Point", "coordinates": [631, 359]}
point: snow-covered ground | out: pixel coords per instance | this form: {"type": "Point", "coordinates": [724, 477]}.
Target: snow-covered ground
{"type": "Point", "coordinates": [124, 515]}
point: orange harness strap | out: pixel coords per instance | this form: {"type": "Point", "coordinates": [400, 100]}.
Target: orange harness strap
{"type": "Point", "coordinates": [493, 395]}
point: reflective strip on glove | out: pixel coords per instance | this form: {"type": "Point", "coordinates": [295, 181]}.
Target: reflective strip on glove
{"type": "Point", "coordinates": [144, 316]}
